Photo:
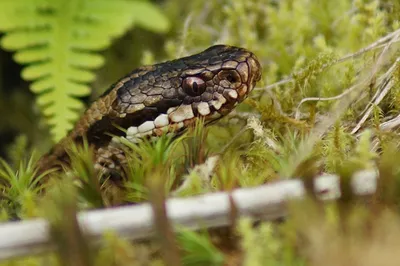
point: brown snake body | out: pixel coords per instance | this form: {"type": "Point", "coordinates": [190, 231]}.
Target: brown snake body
{"type": "Point", "coordinates": [162, 98]}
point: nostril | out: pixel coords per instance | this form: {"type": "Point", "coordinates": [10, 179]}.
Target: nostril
{"type": "Point", "coordinates": [231, 78]}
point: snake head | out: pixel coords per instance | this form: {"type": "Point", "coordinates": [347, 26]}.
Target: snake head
{"type": "Point", "coordinates": [170, 96]}
{"type": "Point", "coordinates": [216, 80]}
{"type": "Point", "coordinates": [162, 99]}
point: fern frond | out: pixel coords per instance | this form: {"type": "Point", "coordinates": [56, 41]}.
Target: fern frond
{"type": "Point", "coordinates": [58, 41]}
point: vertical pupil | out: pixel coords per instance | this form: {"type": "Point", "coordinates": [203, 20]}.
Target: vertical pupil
{"type": "Point", "coordinates": [195, 87]}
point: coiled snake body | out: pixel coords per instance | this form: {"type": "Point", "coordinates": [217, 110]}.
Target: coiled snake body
{"type": "Point", "coordinates": [162, 98]}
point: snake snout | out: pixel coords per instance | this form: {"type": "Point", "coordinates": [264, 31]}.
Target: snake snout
{"type": "Point", "coordinates": [255, 71]}
{"type": "Point", "coordinates": [249, 69]}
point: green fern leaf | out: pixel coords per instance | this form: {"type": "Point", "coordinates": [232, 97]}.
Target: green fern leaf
{"type": "Point", "coordinates": [58, 41]}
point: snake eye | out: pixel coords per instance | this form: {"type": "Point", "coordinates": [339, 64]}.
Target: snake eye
{"type": "Point", "coordinates": [194, 86]}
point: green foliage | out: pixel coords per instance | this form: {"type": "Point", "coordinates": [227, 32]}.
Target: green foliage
{"type": "Point", "coordinates": [197, 161]}
{"type": "Point", "coordinates": [82, 167]}
{"type": "Point", "coordinates": [198, 249]}
{"type": "Point", "coordinates": [336, 148]}
{"type": "Point", "coordinates": [272, 149]}
{"type": "Point", "coordinates": [150, 160]}
{"type": "Point", "coordinates": [364, 156]}
{"type": "Point", "coordinates": [59, 42]}
{"type": "Point", "coordinates": [229, 173]}
{"type": "Point", "coordinates": [19, 187]}
{"type": "Point", "coordinates": [263, 246]}
{"type": "Point", "coordinates": [195, 144]}
{"type": "Point", "coordinates": [118, 252]}
{"type": "Point", "coordinates": [305, 79]}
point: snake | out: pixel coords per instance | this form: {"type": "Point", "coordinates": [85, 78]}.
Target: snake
{"type": "Point", "coordinates": [164, 98]}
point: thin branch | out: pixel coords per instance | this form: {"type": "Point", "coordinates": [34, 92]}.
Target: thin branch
{"type": "Point", "coordinates": [242, 115]}
{"type": "Point", "coordinates": [381, 43]}
{"type": "Point", "coordinates": [233, 139]}
{"type": "Point", "coordinates": [276, 84]}
{"type": "Point", "coordinates": [308, 99]}
{"type": "Point", "coordinates": [390, 124]}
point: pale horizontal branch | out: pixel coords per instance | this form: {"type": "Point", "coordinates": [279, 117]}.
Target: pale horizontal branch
{"type": "Point", "coordinates": [266, 202]}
